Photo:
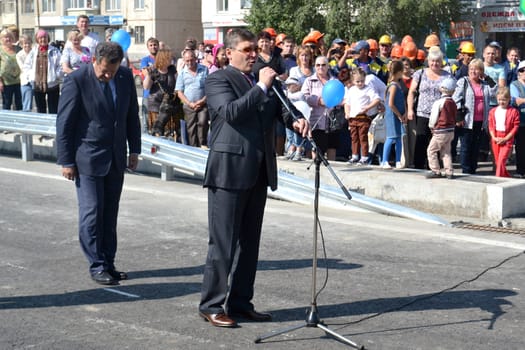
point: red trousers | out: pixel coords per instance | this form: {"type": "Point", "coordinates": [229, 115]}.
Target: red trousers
{"type": "Point", "coordinates": [501, 154]}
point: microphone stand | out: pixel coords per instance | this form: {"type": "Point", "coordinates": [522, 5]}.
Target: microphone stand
{"type": "Point", "coordinates": [312, 317]}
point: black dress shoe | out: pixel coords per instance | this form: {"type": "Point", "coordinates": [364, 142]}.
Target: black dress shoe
{"type": "Point", "coordinates": [252, 315]}
{"type": "Point", "coordinates": [103, 277]}
{"type": "Point", "coordinates": [219, 320]}
{"type": "Point", "coordinates": [118, 275]}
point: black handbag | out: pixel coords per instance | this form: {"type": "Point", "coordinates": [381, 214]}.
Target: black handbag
{"type": "Point", "coordinates": [335, 119]}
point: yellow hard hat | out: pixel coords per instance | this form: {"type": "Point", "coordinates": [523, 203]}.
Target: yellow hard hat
{"type": "Point", "coordinates": [385, 40]}
{"type": "Point", "coordinates": [467, 47]}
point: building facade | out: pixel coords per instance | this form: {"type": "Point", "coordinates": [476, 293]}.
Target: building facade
{"type": "Point", "coordinates": [218, 16]}
{"type": "Point", "coordinates": [169, 21]}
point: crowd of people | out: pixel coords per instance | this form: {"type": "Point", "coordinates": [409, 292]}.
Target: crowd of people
{"type": "Point", "coordinates": [375, 84]}
{"type": "Point", "coordinates": [396, 80]}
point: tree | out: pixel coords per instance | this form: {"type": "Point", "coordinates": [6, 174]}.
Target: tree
{"type": "Point", "coordinates": [355, 19]}
{"type": "Point", "coordinates": [294, 17]}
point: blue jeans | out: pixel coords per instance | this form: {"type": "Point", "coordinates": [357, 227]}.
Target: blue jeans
{"type": "Point", "coordinates": [388, 146]}
{"type": "Point", "coordinates": [9, 92]}
{"type": "Point", "coordinates": [27, 97]}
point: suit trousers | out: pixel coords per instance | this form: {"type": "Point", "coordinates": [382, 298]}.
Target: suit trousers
{"type": "Point", "coordinates": [235, 220]}
{"type": "Point", "coordinates": [197, 125]}
{"type": "Point", "coordinates": [98, 203]}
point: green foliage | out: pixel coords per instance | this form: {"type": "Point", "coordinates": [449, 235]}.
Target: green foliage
{"type": "Point", "coordinates": [293, 17]}
{"type": "Point", "coordinates": [356, 19]}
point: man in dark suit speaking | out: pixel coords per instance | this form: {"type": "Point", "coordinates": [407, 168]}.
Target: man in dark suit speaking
{"type": "Point", "coordinates": [241, 165]}
{"type": "Point", "coordinates": [97, 121]}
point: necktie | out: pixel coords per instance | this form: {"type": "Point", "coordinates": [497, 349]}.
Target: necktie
{"type": "Point", "coordinates": [109, 95]}
{"type": "Point", "coordinates": [250, 79]}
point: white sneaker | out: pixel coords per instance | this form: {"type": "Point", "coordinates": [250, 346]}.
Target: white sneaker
{"type": "Point", "coordinates": [363, 161]}
{"type": "Point", "coordinates": [353, 160]}
{"type": "Point", "coordinates": [399, 166]}
{"type": "Point", "coordinates": [386, 166]}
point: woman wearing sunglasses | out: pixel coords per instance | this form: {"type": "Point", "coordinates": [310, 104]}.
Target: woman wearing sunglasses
{"type": "Point", "coordinates": [312, 89]}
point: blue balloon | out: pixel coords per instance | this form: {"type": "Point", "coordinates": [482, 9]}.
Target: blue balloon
{"type": "Point", "coordinates": [333, 93]}
{"type": "Point", "coordinates": [122, 38]}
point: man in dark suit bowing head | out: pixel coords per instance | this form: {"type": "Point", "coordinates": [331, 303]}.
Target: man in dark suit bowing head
{"type": "Point", "coordinates": [241, 165]}
{"type": "Point", "coordinates": [97, 122]}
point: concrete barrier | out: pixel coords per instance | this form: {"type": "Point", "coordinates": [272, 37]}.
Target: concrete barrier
{"type": "Point", "coordinates": [467, 196]}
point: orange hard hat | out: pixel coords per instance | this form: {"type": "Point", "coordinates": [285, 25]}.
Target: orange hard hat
{"type": "Point", "coordinates": [270, 31]}
{"type": "Point", "coordinates": [431, 40]}
{"type": "Point", "coordinates": [373, 44]}
{"type": "Point", "coordinates": [280, 38]}
{"type": "Point", "coordinates": [406, 39]}
{"type": "Point", "coordinates": [410, 50]}
{"type": "Point", "coordinates": [421, 55]}
{"type": "Point", "coordinates": [313, 37]}
{"type": "Point", "coordinates": [397, 51]}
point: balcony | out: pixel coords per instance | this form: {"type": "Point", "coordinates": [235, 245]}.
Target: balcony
{"type": "Point", "coordinates": [80, 7]}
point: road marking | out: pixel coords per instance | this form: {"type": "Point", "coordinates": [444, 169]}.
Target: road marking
{"type": "Point", "coordinates": [13, 265]}
{"type": "Point", "coordinates": [452, 236]}
{"type": "Point", "coordinates": [31, 173]}
{"type": "Point", "coordinates": [116, 291]}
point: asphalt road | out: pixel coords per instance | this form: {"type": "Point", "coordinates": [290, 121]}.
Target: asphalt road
{"type": "Point", "coordinates": [384, 275]}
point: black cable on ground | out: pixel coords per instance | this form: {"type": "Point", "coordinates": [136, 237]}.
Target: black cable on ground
{"type": "Point", "coordinates": [417, 300]}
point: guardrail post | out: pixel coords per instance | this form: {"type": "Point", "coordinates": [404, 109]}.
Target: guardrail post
{"type": "Point", "coordinates": [166, 172]}
{"type": "Point", "coordinates": [26, 143]}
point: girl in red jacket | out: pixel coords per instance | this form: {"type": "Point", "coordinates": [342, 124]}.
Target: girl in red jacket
{"type": "Point", "coordinates": [504, 122]}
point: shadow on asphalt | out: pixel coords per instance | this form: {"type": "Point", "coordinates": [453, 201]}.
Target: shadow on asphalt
{"type": "Point", "coordinates": [489, 300]}
{"type": "Point", "coordinates": [264, 265]}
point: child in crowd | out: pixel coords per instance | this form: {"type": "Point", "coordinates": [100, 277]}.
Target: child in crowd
{"type": "Point", "coordinates": [295, 142]}
{"type": "Point", "coordinates": [442, 123]}
{"type": "Point", "coordinates": [504, 122]}
{"type": "Point", "coordinates": [395, 113]}
{"type": "Point", "coordinates": [360, 101]}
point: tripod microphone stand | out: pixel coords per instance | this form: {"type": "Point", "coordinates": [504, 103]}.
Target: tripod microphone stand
{"type": "Point", "coordinates": [312, 317]}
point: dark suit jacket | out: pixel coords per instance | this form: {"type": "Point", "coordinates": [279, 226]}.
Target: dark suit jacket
{"type": "Point", "coordinates": [91, 134]}
{"type": "Point", "coordinates": [242, 131]}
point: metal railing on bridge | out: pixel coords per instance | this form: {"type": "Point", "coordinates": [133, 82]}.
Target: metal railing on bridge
{"type": "Point", "coordinates": [173, 156]}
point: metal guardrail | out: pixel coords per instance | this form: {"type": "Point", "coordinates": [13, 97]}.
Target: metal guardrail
{"type": "Point", "coordinates": [28, 124]}
{"type": "Point", "coordinates": [172, 156]}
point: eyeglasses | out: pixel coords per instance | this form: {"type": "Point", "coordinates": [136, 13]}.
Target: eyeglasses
{"type": "Point", "coordinates": [247, 50]}
{"type": "Point", "coordinates": [207, 51]}
{"type": "Point", "coordinates": [521, 70]}
{"type": "Point", "coordinates": [320, 65]}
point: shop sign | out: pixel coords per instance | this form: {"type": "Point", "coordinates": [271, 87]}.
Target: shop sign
{"type": "Point", "coordinates": [499, 14]}
{"type": "Point", "coordinates": [491, 27]}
